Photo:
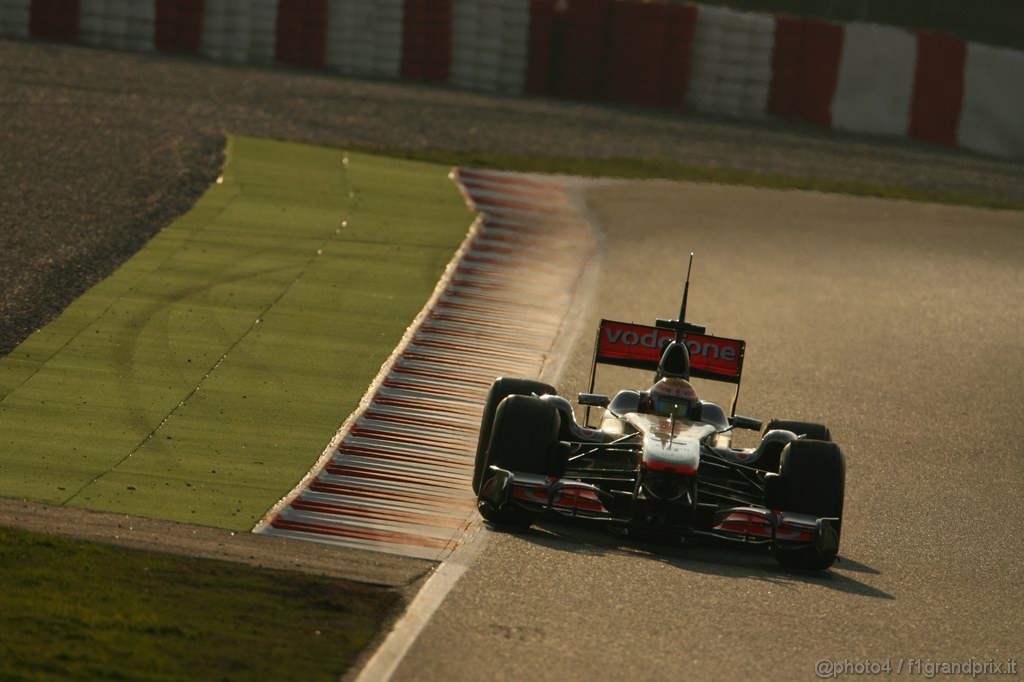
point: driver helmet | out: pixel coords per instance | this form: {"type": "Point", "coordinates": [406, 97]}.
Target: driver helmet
{"type": "Point", "coordinates": [675, 397]}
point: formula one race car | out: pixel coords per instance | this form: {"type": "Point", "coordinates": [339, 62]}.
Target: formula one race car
{"type": "Point", "coordinates": [661, 464]}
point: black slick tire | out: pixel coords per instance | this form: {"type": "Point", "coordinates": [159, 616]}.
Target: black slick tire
{"type": "Point", "coordinates": [524, 439]}
{"type": "Point", "coordinates": [812, 480]}
{"type": "Point", "coordinates": [500, 389]}
{"type": "Point", "coordinates": [808, 430]}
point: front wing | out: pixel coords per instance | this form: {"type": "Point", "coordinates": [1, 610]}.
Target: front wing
{"type": "Point", "coordinates": [577, 499]}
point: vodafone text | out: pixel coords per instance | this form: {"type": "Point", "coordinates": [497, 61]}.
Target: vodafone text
{"type": "Point", "coordinates": [654, 339]}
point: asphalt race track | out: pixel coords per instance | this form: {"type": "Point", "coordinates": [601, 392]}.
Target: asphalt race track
{"type": "Point", "coordinates": [900, 326]}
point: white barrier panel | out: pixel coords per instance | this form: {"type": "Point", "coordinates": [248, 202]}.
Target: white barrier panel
{"type": "Point", "coordinates": [364, 37]}
{"type": "Point", "coordinates": [388, 27]}
{"type": "Point", "coordinates": [515, 47]}
{"type": "Point", "coordinates": [350, 36]}
{"type": "Point", "coordinates": [992, 118]}
{"type": "Point", "coordinates": [760, 31]}
{"type": "Point", "coordinates": [114, 24]}
{"type": "Point", "coordinates": [489, 44]}
{"type": "Point", "coordinates": [141, 26]}
{"type": "Point", "coordinates": [117, 24]}
{"type": "Point", "coordinates": [731, 62]}
{"type": "Point", "coordinates": [214, 27]}
{"type": "Point", "coordinates": [238, 31]}
{"type": "Point", "coordinates": [263, 31]}
{"type": "Point", "coordinates": [14, 18]}
{"type": "Point", "coordinates": [876, 80]}
{"type": "Point", "coordinates": [466, 45]}
{"type": "Point", "coordinates": [489, 41]}
{"type": "Point", "coordinates": [226, 30]}
{"type": "Point", "coordinates": [90, 21]}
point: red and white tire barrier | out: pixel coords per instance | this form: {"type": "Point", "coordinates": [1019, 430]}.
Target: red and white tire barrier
{"type": "Point", "coordinates": [855, 77]}
{"type": "Point", "coordinates": [397, 478]}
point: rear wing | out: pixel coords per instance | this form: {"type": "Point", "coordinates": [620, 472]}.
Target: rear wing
{"type": "Point", "coordinates": [639, 346]}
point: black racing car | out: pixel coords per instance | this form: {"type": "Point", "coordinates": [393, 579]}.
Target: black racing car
{"type": "Point", "coordinates": [661, 463]}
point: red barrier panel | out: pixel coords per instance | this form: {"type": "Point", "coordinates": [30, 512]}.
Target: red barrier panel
{"type": "Point", "coordinates": [584, 49]}
{"type": "Point", "coordinates": [540, 53]}
{"type": "Point", "coordinates": [427, 40]}
{"type": "Point", "coordinates": [783, 94]}
{"type": "Point", "coordinates": [637, 41]}
{"type": "Point", "coordinates": [805, 69]}
{"type": "Point", "coordinates": [822, 50]}
{"type": "Point", "coordinates": [938, 88]}
{"type": "Point", "coordinates": [54, 20]}
{"type": "Point", "coordinates": [302, 33]}
{"type": "Point", "coordinates": [179, 25]}
{"type": "Point", "coordinates": [678, 54]}
{"type": "Point", "coordinates": [649, 50]}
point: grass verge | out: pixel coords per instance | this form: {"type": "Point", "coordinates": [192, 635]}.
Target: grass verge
{"type": "Point", "coordinates": [198, 383]}
{"type": "Point", "coordinates": [83, 611]}
{"type": "Point", "coordinates": [651, 169]}
{"type": "Point", "coordinates": [202, 379]}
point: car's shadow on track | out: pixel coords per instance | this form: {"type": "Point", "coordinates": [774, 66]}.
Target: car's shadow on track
{"type": "Point", "coordinates": [709, 557]}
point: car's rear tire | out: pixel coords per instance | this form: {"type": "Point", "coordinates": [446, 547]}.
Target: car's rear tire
{"type": "Point", "coordinates": [808, 430]}
{"type": "Point", "coordinates": [500, 389]}
{"type": "Point", "coordinates": [524, 439]}
{"type": "Point", "coordinates": [811, 480]}
{"type": "Point", "coordinates": [769, 461]}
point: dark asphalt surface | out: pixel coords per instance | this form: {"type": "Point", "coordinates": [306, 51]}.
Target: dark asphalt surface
{"type": "Point", "coordinates": [99, 150]}
{"type": "Point", "coordinates": [898, 325]}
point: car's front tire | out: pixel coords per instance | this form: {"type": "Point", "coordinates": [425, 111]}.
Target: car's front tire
{"type": "Point", "coordinates": [811, 480]}
{"type": "Point", "coordinates": [524, 439]}
{"type": "Point", "coordinates": [500, 389]}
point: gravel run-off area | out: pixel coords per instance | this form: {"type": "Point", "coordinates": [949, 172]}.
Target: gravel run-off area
{"type": "Point", "coordinates": [99, 150]}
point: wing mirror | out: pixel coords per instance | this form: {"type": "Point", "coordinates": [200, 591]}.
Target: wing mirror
{"type": "Point", "coordinates": [592, 399]}
{"type": "Point", "coordinates": [750, 423]}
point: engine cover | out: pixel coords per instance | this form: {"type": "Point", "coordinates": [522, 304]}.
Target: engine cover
{"type": "Point", "coordinates": [671, 446]}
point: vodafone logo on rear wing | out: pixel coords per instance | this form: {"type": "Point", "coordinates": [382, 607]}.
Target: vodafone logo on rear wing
{"type": "Point", "coordinates": [639, 346]}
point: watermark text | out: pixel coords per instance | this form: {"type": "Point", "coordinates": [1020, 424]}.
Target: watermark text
{"type": "Point", "coordinates": [828, 668]}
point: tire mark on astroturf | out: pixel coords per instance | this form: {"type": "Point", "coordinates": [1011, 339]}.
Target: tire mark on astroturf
{"type": "Point", "coordinates": [125, 355]}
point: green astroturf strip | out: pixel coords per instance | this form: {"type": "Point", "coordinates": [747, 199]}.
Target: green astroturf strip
{"type": "Point", "coordinates": [202, 379]}
{"type": "Point", "coordinates": [650, 169]}
{"type": "Point", "coordinates": [82, 611]}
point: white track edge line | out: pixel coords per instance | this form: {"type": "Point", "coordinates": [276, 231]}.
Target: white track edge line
{"type": "Point", "coordinates": [392, 651]}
